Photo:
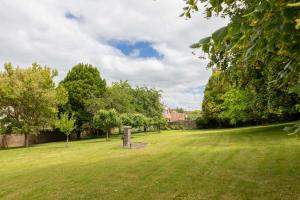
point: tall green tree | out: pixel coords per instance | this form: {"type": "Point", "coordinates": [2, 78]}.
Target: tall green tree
{"type": "Point", "coordinates": [83, 82]}
{"type": "Point", "coordinates": [147, 101]}
{"type": "Point", "coordinates": [236, 106]}
{"type": "Point", "coordinates": [213, 96]}
{"type": "Point", "coordinates": [29, 99]}
{"type": "Point", "coordinates": [138, 120]}
{"type": "Point", "coordinates": [117, 96]}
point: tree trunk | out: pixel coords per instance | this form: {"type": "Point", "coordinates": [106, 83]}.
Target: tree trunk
{"type": "Point", "coordinates": [145, 128]}
{"type": "Point", "coordinates": [67, 140]}
{"type": "Point", "coordinates": [26, 141]}
{"type": "Point", "coordinates": [107, 134]}
{"type": "Point", "coordinates": [78, 135]}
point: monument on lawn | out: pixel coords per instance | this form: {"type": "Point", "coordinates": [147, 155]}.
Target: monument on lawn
{"type": "Point", "coordinates": [126, 136]}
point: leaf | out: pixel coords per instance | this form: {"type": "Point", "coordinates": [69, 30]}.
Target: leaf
{"type": "Point", "coordinates": [205, 48]}
{"type": "Point", "coordinates": [195, 46]}
{"type": "Point", "coordinates": [219, 34]}
{"type": "Point", "coordinates": [188, 14]}
{"type": "Point", "coordinates": [191, 2]}
{"type": "Point", "coordinates": [203, 43]}
{"type": "Point", "coordinates": [195, 7]}
{"type": "Point", "coordinates": [204, 40]}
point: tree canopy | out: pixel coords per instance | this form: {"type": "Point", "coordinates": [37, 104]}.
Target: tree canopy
{"type": "Point", "coordinates": [106, 120]}
{"type": "Point", "coordinates": [29, 99]}
{"type": "Point", "coordinates": [256, 54]}
{"type": "Point", "coordinates": [83, 82]}
{"type": "Point", "coordinates": [147, 101]}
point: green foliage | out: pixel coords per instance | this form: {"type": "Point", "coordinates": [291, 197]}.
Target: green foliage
{"type": "Point", "coordinates": [118, 96]}
{"type": "Point", "coordinates": [260, 34]}
{"type": "Point", "coordinates": [159, 122]}
{"type": "Point", "coordinates": [295, 129]}
{"type": "Point", "coordinates": [82, 83]}
{"type": "Point", "coordinates": [125, 99]}
{"type": "Point", "coordinates": [29, 99]}
{"type": "Point", "coordinates": [258, 51]}
{"type": "Point", "coordinates": [213, 96]}
{"type": "Point", "coordinates": [236, 106]}
{"type": "Point", "coordinates": [179, 110]}
{"type": "Point", "coordinates": [106, 120]}
{"type": "Point", "coordinates": [147, 102]}
{"type": "Point", "coordinates": [193, 115]}
{"type": "Point", "coordinates": [127, 119]}
{"type": "Point", "coordinates": [201, 123]}
{"type": "Point", "coordinates": [65, 123]}
{"type": "Point", "coordinates": [138, 120]}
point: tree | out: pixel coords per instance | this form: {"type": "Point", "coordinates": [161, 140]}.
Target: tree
{"type": "Point", "coordinates": [179, 110]}
{"type": "Point", "coordinates": [213, 97]}
{"type": "Point", "coordinates": [256, 51]}
{"type": "Point", "coordinates": [119, 96]}
{"type": "Point", "coordinates": [82, 83]}
{"type": "Point", "coordinates": [29, 99]}
{"type": "Point", "coordinates": [193, 115]}
{"type": "Point", "coordinates": [138, 120]}
{"type": "Point", "coordinates": [159, 122]}
{"type": "Point", "coordinates": [147, 101]}
{"type": "Point", "coordinates": [148, 122]}
{"type": "Point", "coordinates": [127, 119]}
{"type": "Point", "coordinates": [295, 129]}
{"type": "Point", "coordinates": [106, 120]}
{"type": "Point", "coordinates": [125, 99]}
{"type": "Point", "coordinates": [236, 106]}
{"type": "Point", "coordinates": [65, 124]}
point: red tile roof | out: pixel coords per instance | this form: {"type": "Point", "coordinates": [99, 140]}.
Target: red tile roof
{"type": "Point", "coordinates": [174, 116]}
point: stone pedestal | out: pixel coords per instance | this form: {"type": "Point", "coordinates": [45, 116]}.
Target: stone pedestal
{"type": "Point", "coordinates": [126, 136]}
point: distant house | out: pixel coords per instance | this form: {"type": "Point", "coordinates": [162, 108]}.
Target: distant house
{"type": "Point", "coordinates": [173, 116]}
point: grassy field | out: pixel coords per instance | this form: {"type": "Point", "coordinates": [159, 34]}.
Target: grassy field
{"type": "Point", "coordinates": [246, 163]}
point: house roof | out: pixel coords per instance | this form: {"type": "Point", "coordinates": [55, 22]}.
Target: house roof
{"type": "Point", "coordinates": [174, 116]}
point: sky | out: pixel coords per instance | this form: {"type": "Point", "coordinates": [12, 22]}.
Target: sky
{"type": "Point", "coordinates": [144, 42]}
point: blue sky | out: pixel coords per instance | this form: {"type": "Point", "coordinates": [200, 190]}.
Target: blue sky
{"type": "Point", "coordinates": [139, 49]}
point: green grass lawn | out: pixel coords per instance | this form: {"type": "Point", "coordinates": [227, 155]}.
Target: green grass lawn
{"type": "Point", "coordinates": [246, 163]}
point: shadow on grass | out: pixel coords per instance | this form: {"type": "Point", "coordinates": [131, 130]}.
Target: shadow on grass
{"type": "Point", "coordinates": [14, 148]}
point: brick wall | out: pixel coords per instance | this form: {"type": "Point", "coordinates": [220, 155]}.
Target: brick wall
{"type": "Point", "coordinates": [17, 140]}
{"type": "Point", "coordinates": [186, 124]}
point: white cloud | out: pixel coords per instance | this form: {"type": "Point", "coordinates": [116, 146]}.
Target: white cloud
{"type": "Point", "coordinates": [38, 31]}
